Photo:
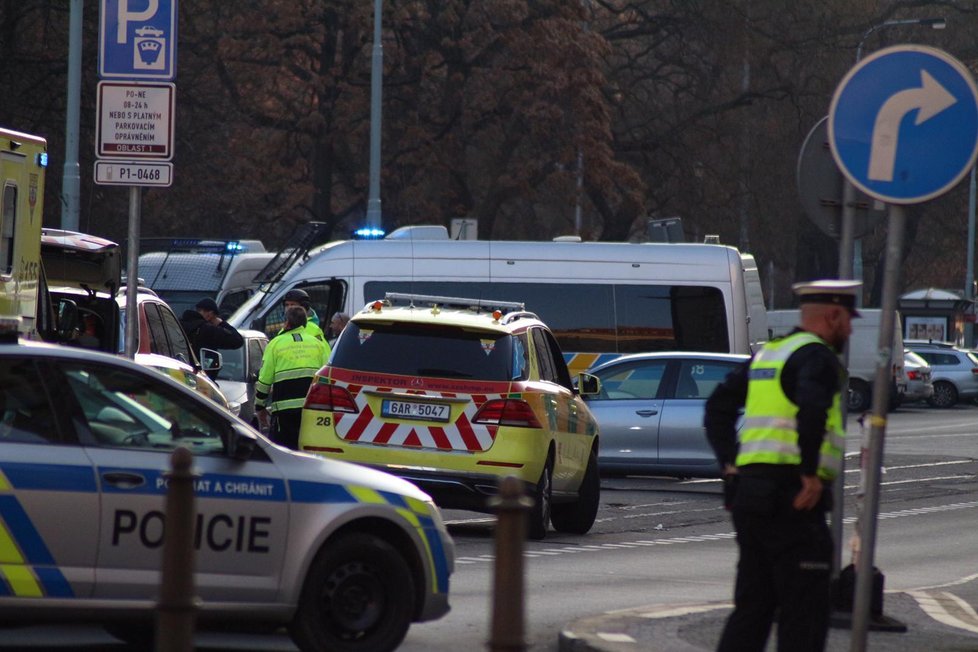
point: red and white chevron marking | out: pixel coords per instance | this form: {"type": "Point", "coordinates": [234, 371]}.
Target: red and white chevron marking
{"type": "Point", "coordinates": [463, 435]}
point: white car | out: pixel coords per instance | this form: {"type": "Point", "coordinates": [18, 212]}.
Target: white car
{"type": "Point", "coordinates": [344, 556]}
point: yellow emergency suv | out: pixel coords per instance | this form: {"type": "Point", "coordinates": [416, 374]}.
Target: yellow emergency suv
{"type": "Point", "coordinates": [23, 159]}
{"type": "Point", "coordinates": [453, 394]}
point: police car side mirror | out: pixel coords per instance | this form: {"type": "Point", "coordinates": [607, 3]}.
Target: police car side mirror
{"type": "Point", "coordinates": [588, 385]}
{"type": "Point", "coordinates": [241, 443]}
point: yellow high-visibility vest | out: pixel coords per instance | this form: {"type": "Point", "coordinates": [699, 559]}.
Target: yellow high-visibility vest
{"type": "Point", "coordinates": [770, 431]}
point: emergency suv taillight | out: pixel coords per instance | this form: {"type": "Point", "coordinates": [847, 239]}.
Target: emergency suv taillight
{"type": "Point", "coordinates": [506, 412]}
{"type": "Point", "coordinates": [330, 398]}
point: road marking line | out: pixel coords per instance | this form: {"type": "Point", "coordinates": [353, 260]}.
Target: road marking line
{"type": "Point", "coordinates": [615, 638]}
{"type": "Point", "coordinates": [947, 608]}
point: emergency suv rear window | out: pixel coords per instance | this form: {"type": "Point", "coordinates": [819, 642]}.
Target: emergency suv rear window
{"type": "Point", "coordinates": [429, 350]}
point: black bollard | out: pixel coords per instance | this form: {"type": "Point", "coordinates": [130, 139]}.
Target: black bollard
{"type": "Point", "coordinates": [511, 507]}
{"type": "Point", "coordinates": [176, 609]}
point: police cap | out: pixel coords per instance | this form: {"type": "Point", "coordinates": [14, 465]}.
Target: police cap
{"type": "Point", "coordinates": [835, 292]}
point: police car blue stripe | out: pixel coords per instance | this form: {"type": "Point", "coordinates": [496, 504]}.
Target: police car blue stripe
{"type": "Point", "coordinates": [22, 530]}
{"type": "Point", "coordinates": [55, 584]}
{"type": "Point", "coordinates": [49, 477]}
{"type": "Point", "coordinates": [5, 591]}
{"type": "Point", "coordinates": [437, 554]}
{"type": "Point", "coordinates": [211, 485]}
{"type": "Point", "coordinates": [397, 500]}
{"type": "Point", "coordinates": [319, 492]}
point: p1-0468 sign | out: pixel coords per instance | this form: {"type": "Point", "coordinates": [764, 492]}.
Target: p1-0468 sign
{"type": "Point", "coordinates": [133, 173]}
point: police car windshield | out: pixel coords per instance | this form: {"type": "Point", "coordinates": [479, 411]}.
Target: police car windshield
{"type": "Point", "coordinates": [428, 350]}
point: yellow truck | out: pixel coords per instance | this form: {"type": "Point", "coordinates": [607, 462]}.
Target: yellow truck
{"type": "Point", "coordinates": [23, 159]}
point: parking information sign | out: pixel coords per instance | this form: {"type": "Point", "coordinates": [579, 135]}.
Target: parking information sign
{"type": "Point", "coordinates": [138, 39]}
{"type": "Point", "coordinates": [135, 120]}
{"type": "Point", "coordinates": [903, 124]}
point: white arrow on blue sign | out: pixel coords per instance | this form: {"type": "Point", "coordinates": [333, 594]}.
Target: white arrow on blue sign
{"type": "Point", "coordinates": [138, 39]}
{"type": "Point", "coordinates": [903, 124]}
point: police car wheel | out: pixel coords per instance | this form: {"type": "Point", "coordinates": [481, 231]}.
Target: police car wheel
{"type": "Point", "coordinates": [358, 596]}
{"type": "Point", "coordinates": [542, 501]}
{"type": "Point", "coordinates": [140, 636]}
{"type": "Point", "coordinates": [578, 517]}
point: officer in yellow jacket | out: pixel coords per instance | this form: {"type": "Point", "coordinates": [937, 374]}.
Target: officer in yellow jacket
{"type": "Point", "coordinates": [289, 364]}
{"type": "Point", "coordinates": [778, 472]}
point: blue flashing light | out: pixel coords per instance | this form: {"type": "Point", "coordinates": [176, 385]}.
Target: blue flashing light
{"type": "Point", "coordinates": [369, 233]}
{"type": "Point", "coordinates": [42, 159]}
{"type": "Point", "coordinates": [235, 247]}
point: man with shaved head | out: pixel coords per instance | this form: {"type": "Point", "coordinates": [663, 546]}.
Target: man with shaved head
{"type": "Point", "coordinates": [778, 471]}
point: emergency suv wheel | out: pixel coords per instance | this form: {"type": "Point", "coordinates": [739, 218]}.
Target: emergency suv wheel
{"type": "Point", "coordinates": [578, 517]}
{"type": "Point", "coordinates": [542, 501]}
{"type": "Point", "coordinates": [357, 597]}
{"type": "Point", "coordinates": [860, 397]}
{"type": "Point", "coordinates": [945, 395]}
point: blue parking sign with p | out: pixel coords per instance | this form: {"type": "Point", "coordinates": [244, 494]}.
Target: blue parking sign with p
{"type": "Point", "coordinates": [138, 39]}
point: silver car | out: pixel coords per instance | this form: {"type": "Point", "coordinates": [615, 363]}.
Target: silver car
{"type": "Point", "coordinates": [344, 556]}
{"type": "Point", "coordinates": [239, 372]}
{"type": "Point", "coordinates": [954, 371]}
{"type": "Point", "coordinates": [917, 374]}
{"type": "Point", "coordinates": [650, 412]}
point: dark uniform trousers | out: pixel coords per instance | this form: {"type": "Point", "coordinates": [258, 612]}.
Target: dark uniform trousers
{"type": "Point", "coordinates": [284, 427]}
{"type": "Point", "coordinates": [785, 558]}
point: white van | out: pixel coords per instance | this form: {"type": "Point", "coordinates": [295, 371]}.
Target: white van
{"type": "Point", "coordinates": [188, 270]}
{"type": "Point", "coordinates": [600, 299]}
{"type": "Point", "coordinates": [863, 347]}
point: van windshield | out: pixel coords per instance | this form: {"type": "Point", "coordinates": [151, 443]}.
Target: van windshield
{"type": "Point", "coordinates": [429, 350]}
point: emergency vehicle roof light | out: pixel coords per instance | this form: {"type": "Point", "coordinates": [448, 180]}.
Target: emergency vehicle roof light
{"type": "Point", "coordinates": [497, 314]}
{"type": "Point", "coordinates": [368, 233]}
{"type": "Point", "coordinates": [42, 160]}
{"type": "Point", "coordinates": [377, 305]}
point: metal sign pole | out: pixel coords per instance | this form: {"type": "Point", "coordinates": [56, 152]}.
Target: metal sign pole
{"type": "Point", "coordinates": [867, 525]}
{"type": "Point", "coordinates": [132, 281]}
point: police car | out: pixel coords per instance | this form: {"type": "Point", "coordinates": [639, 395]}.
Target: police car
{"type": "Point", "coordinates": [453, 394]}
{"type": "Point", "coordinates": [346, 557]}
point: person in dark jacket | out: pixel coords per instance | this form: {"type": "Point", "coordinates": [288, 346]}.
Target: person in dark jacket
{"type": "Point", "coordinates": [206, 329]}
{"type": "Point", "coordinates": [778, 470]}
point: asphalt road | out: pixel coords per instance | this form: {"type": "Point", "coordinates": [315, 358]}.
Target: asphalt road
{"type": "Point", "coordinates": [662, 542]}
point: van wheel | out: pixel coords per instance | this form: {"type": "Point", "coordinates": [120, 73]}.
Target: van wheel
{"type": "Point", "coordinates": [860, 398]}
{"type": "Point", "coordinates": [945, 395]}
{"type": "Point", "coordinates": [542, 502]}
{"type": "Point", "coordinates": [357, 597]}
{"type": "Point", "coordinates": [578, 517]}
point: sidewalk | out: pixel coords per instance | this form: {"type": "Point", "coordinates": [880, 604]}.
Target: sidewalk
{"type": "Point", "coordinates": [695, 628]}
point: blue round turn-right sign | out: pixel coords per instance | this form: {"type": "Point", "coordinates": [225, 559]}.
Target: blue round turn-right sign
{"type": "Point", "coordinates": [903, 124]}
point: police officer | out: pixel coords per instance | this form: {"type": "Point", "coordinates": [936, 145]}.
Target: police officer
{"type": "Point", "coordinates": [779, 469]}
{"type": "Point", "coordinates": [289, 363]}
{"type": "Point", "coordinates": [298, 297]}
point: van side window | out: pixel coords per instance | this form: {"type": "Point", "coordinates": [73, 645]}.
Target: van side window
{"type": "Point", "coordinates": [7, 218]}
{"type": "Point", "coordinates": [157, 333]}
{"type": "Point", "coordinates": [601, 317]}
{"type": "Point", "coordinates": [545, 361]}
{"type": "Point", "coordinates": [179, 345]}
{"type": "Point", "coordinates": [325, 299]}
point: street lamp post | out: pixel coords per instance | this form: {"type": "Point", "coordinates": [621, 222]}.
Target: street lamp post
{"type": "Point", "coordinates": [376, 90]}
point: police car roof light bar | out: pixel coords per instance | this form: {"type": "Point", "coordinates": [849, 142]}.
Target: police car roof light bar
{"type": "Point", "coordinates": [455, 302]}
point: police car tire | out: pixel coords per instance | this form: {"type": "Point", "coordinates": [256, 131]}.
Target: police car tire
{"type": "Point", "coordinates": [578, 517]}
{"type": "Point", "coordinates": [136, 635]}
{"type": "Point", "coordinates": [542, 504]}
{"type": "Point", "coordinates": [374, 591]}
